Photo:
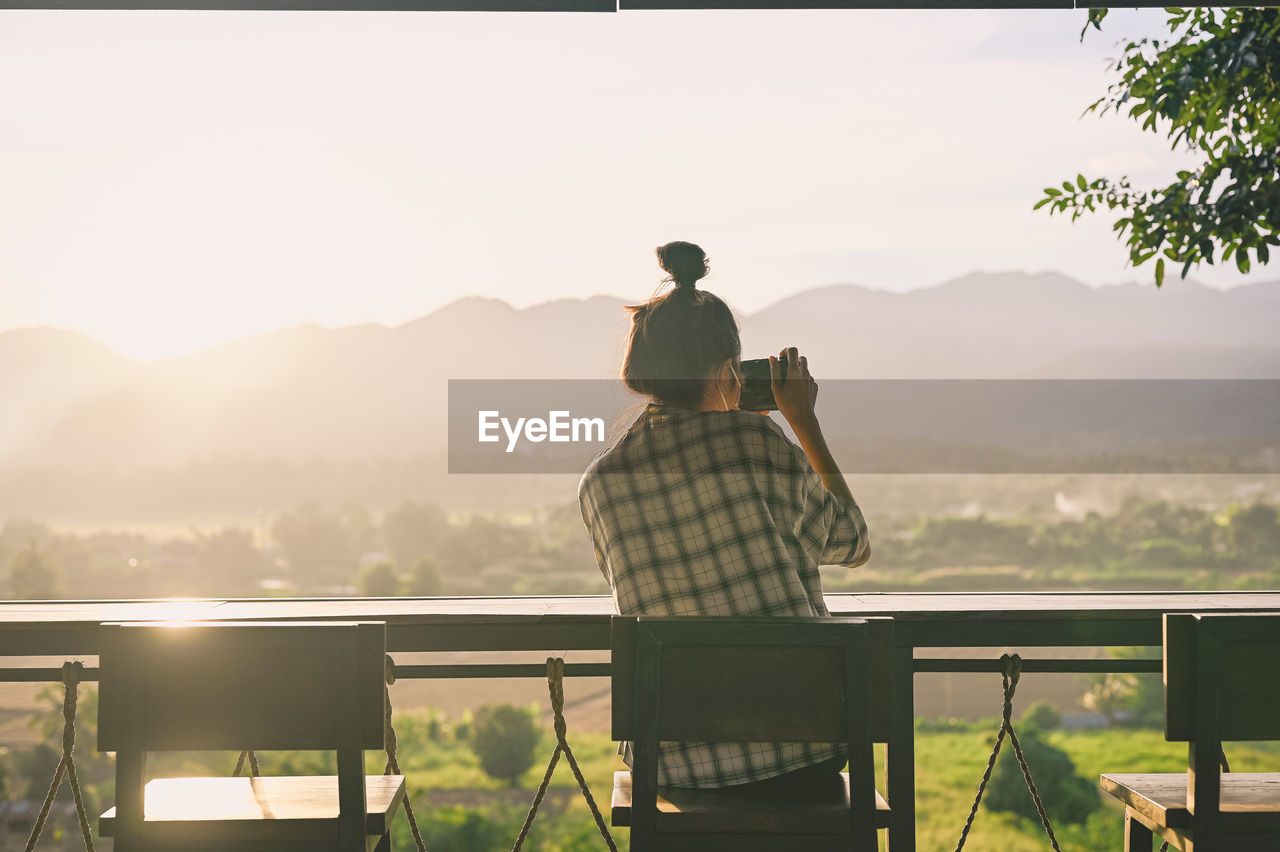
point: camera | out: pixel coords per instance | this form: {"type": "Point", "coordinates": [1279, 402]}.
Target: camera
{"type": "Point", "coordinates": [757, 385]}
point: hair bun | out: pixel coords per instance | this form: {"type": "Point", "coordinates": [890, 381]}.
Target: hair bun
{"type": "Point", "coordinates": [686, 263]}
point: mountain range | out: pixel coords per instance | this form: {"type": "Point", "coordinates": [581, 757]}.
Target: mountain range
{"type": "Point", "coordinates": [369, 391]}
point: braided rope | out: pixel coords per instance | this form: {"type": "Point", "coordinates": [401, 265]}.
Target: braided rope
{"type": "Point", "coordinates": [1012, 672]}
{"type": "Point", "coordinates": [555, 685]}
{"type": "Point", "coordinates": [71, 673]}
{"type": "Point", "coordinates": [255, 771]}
{"type": "Point", "coordinates": [393, 765]}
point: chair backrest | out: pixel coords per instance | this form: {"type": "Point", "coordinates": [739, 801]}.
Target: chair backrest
{"type": "Point", "coordinates": [744, 679]}
{"type": "Point", "coordinates": [1222, 683]}
{"type": "Point", "coordinates": [752, 679]}
{"type": "Point", "coordinates": [236, 685]}
{"type": "Point", "coordinates": [1222, 676]}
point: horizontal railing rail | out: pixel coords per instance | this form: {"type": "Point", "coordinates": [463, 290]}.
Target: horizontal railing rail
{"type": "Point", "coordinates": [979, 628]}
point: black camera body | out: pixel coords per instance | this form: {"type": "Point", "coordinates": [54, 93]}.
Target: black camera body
{"type": "Point", "coordinates": [757, 385]}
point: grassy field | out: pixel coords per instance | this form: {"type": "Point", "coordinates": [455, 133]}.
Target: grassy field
{"type": "Point", "coordinates": [448, 784]}
{"type": "Point", "coordinates": [462, 809]}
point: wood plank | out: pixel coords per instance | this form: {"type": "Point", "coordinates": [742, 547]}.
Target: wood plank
{"type": "Point", "coordinates": [292, 799]}
{"type": "Point", "coordinates": [1063, 605]}
{"type": "Point", "coordinates": [1250, 800]}
{"type": "Point", "coordinates": [581, 621]}
{"type": "Point", "coordinates": [720, 811]}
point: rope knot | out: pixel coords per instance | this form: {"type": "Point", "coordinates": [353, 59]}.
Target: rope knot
{"type": "Point", "coordinates": [555, 686]}
{"type": "Point", "coordinates": [72, 671]}
{"type": "Point", "coordinates": [1011, 665]}
{"type": "Point", "coordinates": [71, 674]}
{"type": "Point", "coordinates": [389, 670]}
{"type": "Point", "coordinates": [1012, 668]}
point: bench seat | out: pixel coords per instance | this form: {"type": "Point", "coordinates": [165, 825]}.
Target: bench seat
{"type": "Point", "coordinates": [718, 811]}
{"type": "Point", "coordinates": [1250, 800]}
{"type": "Point", "coordinates": [301, 807]}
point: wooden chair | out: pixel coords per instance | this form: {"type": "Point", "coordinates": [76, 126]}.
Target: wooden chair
{"type": "Point", "coordinates": [237, 685]}
{"type": "Point", "coordinates": [1222, 684]}
{"type": "Point", "coordinates": [751, 680]}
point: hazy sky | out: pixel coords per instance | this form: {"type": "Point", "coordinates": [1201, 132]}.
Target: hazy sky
{"type": "Point", "coordinates": [172, 180]}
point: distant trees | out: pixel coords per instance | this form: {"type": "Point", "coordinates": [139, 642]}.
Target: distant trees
{"type": "Point", "coordinates": [229, 562]}
{"type": "Point", "coordinates": [317, 550]}
{"type": "Point", "coordinates": [1213, 87]}
{"type": "Point", "coordinates": [378, 580]}
{"type": "Point", "coordinates": [30, 578]}
{"type": "Point", "coordinates": [414, 530]}
{"type": "Point", "coordinates": [425, 580]}
{"type": "Point", "coordinates": [1126, 698]}
{"type": "Point", "coordinates": [1041, 716]}
{"type": "Point", "coordinates": [1164, 543]}
{"type": "Point", "coordinates": [322, 548]}
{"type": "Point", "coordinates": [505, 739]}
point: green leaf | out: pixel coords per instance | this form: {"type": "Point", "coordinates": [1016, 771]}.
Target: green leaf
{"type": "Point", "coordinates": [1160, 272]}
{"type": "Point", "coordinates": [1066, 184]}
{"type": "Point", "coordinates": [1042, 202]}
{"type": "Point", "coordinates": [1242, 260]}
{"type": "Point", "coordinates": [1264, 253]}
{"type": "Point", "coordinates": [1081, 182]}
{"type": "Point", "coordinates": [1049, 190]}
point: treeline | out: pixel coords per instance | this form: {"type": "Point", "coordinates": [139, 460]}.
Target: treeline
{"type": "Point", "coordinates": [415, 549]}
{"type": "Point", "coordinates": [1145, 544]}
{"type": "Point", "coordinates": [418, 549]}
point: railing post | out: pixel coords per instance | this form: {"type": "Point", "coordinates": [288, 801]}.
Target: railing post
{"type": "Point", "coordinates": [900, 754]}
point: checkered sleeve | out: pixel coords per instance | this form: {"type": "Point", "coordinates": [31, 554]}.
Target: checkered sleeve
{"type": "Point", "coordinates": [831, 528]}
{"type": "Point", "coordinates": [590, 514]}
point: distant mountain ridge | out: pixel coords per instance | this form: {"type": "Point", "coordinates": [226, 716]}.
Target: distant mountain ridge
{"type": "Point", "coordinates": [370, 391]}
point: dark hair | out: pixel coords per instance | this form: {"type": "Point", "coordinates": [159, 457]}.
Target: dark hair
{"type": "Point", "coordinates": [677, 338]}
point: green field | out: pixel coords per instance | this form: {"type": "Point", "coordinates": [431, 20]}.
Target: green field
{"type": "Point", "coordinates": [948, 768]}
{"type": "Point", "coordinates": [462, 809]}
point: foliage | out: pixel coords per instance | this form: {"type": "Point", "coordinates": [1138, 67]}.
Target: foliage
{"type": "Point", "coordinates": [1135, 699]}
{"type": "Point", "coordinates": [459, 829]}
{"type": "Point", "coordinates": [1143, 543]}
{"type": "Point", "coordinates": [378, 580]}
{"type": "Point", "coordinates": [505, 738]}
{"type": "Point", "coordinates": [414, 530]}
{"type": "Point", "coordinates": [1212, 87]}
{"type": "Point", "coordinates": [1040, 716]}
{"type": "Point", "coordinates": [425, 580]}
{"type": "Point", "coordinates": [1068, 797]}
{"type": "Point", "coordinates": [30, 578]}
{"type": "Point", "coordinates": [228, 561]}
{"type": "Point", "coordinates": [324, 546]}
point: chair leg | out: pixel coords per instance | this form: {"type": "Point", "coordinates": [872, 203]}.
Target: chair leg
{"type": "Point", "coordinates": [1137, 837]}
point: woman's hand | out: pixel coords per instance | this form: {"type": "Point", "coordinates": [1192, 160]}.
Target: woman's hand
{"type": "Point", "coordinates": [796, 396]}
{"type": "Point", "coordinates": [797, 393]}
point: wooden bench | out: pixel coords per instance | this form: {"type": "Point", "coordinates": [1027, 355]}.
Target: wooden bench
{"type": "Point", "coordinates": [236, 685]}
{"type": "Point", "coordinates": [1222, 684]}
{"type": "Point", "coordinates": [751, 680]}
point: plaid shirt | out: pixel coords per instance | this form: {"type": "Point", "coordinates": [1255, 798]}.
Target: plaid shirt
{"type": "Point", "coordinates": [717, 513]}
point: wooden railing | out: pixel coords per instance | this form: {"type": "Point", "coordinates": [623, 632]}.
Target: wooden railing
{"type": "Point", "coordinates": [997, 623]}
